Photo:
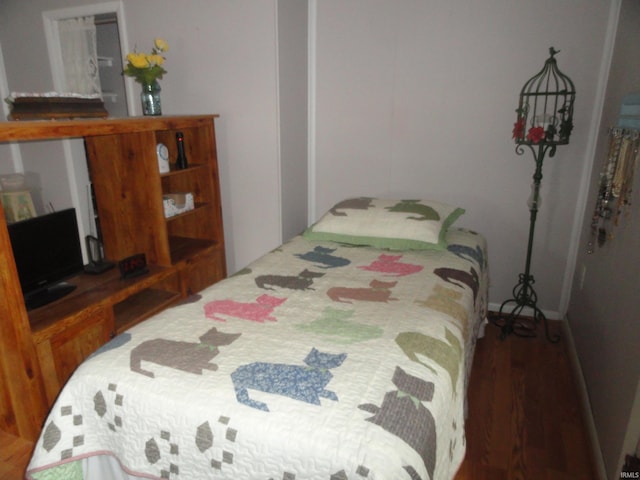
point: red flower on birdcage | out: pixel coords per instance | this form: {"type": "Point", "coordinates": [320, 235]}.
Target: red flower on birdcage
{"type": "Point", "coordinates": [518, 128]}
{"type": "Point", "coordinates": [536, 134]}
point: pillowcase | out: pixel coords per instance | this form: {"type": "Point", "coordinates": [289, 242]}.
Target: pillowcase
{"type": "Point", "coordinates": [386, 223]}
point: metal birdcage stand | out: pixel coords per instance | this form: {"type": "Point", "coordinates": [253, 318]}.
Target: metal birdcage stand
{"type": "Point", "coordinates": [544, 121]}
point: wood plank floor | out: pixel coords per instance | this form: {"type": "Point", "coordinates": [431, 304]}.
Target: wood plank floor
{"type": "Point", "coordinates": [524, 420]}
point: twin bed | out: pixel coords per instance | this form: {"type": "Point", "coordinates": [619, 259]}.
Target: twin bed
{"type": "Point", "coordinates": [343, 354]}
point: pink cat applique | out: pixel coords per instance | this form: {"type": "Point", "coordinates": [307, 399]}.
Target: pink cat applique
{"type": "Point", "coordinates": [257, 311]}
{"type": "Point", "coordinates": [390, 266]}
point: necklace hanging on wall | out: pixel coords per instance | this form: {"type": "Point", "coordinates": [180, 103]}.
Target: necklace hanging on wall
{"type": "Point", "coordinates": [615, 187]}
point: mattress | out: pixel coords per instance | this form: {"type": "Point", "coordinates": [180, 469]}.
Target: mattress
{"type": "Point", "coordinates": [317, 361]}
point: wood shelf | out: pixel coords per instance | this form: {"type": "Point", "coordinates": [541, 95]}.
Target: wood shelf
{"type": "Point", "coordinates": [93, 291]}
{"type": "Point", "coordinates": [196, 207]}
{"type": "Point", "coordinates": [56, 129]}
{"type": "Point", "coordinates": [140, 306]}
{"type": "Point", "coordinates": [193, 167]}
{"type": "Point", "coordinates": [183, 248]}
{"type": "Point", "coordinates": [40, 349]}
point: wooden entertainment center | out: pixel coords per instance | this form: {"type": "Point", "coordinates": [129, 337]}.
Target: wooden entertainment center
{"type": "Point", "coordinates": [185, 253]}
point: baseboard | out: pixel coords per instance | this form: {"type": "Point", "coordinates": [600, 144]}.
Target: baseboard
{"type": "Point", "coordinates": [527, 312]}
{"type": "Point", "coordinates": [596, 452]}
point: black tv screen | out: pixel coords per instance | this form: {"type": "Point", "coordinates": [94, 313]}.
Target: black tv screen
{"type": "Point", "coordinates": [47, 251]}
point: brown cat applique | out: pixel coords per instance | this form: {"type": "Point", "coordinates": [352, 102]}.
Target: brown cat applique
{"type": "Point", "coordinates": [377, 291]}
{"type": "Point", "coordinates": [186, 356]}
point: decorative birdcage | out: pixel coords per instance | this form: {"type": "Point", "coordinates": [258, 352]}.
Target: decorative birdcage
{"type": "Point", "coordinates": [545, 120]}
{"type": "Point", "coordinates": [545, 110]}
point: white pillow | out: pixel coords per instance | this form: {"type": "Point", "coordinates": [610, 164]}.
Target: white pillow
{"type": "Point", "coordinates": [386, 223]}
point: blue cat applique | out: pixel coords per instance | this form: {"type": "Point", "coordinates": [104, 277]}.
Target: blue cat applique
{"type": "Point", "coordinates": [299, 382]}
{"type": "Point", "coordinates": [473, 254]}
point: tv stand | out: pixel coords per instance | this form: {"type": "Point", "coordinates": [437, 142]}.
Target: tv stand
{"type": "Point", "coordinates": [40, 348]}
{"type": "Point", "coordinates": [48, 295]}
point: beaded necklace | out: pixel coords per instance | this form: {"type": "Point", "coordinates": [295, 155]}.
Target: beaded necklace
{"type": "Point", "coordinates": [615, 187]}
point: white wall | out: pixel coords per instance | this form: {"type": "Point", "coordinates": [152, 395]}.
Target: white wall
{"type": "Point", "coordinates": [222, 59]}
{"type": "Point", "coordinates": [413, 98]}
{"type": "Point", "coordinates": [417, 98]}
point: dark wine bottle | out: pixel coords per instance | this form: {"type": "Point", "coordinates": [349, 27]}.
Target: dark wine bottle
{"type": "Point", "coordinates": [181, 160]}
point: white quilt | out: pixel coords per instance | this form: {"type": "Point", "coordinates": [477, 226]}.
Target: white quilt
{"type": "Point", "coordinates": [318, 361]}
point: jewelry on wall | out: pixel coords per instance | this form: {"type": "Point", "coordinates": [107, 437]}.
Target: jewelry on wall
{"type": "Point", "coordinates": [616, 185]}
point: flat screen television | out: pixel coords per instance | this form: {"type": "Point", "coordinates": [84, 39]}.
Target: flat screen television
{"type": "Point", "coordinates": [47, 251]}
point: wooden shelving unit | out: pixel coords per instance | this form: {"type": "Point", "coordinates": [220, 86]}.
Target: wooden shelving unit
{"type": "Point", "coordinates": [141, 305]}
{"type": "Point", "coordinates": [40, 349]}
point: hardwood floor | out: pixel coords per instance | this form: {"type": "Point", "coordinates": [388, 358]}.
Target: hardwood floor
{"type": "Point", "coordinates": [524, 423]}
{"type": "Point", "coordinates": [525, 419]}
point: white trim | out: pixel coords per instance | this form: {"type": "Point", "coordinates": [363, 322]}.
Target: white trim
{"type": "Point", "coordinates": [585, 403]}
{"type": "Point", "coordinates": [50, 19]}
{"type": "Point", "coordinates": [583, 191]}
{"type": "Point", "coordinates": [311, 120]}
{"type": "Point", "coordinates": [129, 82]}
{"type": "Point", "coordinates": [14, 148]}
{"type": "Point", "coordinates": [84, 226]}
{"type": "Point", "coordinates": [276, 15]}
{"type": "Point", "coordinates": [527, 311]}
{"type": "Point", "coordinates": [4, 84]}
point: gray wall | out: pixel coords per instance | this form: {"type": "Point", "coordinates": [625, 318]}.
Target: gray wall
{"type": "Point", "coordinates": [418, 98]}
{"type": "Point", "coordinates": [603, 313]}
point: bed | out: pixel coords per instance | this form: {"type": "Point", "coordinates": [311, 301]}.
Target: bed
{"type": "Point", "coordinates": [343, 354]}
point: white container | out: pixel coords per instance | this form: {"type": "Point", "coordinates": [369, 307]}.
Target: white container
{"type": "Point", "coordinates": [177, 203]}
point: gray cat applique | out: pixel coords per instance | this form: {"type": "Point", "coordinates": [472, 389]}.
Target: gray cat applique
{"type": "Point", "coordinates": [189, 357]}
{"type": "Point", "coordinates": [403, 414]}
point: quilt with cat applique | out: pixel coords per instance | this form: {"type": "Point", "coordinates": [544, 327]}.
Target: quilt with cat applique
{"type": "Point", "coordinates": [319, 361]}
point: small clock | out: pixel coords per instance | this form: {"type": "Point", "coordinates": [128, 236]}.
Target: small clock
{"type": "Point", "coordinates": [133, 266]}
{"type": "Point", "coordinates": [163, 157]}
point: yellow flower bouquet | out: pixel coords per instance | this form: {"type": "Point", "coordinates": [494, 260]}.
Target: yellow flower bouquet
{"type": "Point", "coordinates": [147, 67]}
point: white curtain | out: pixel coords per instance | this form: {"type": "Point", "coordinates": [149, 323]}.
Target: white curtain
{"type": "Point", "coordinates": [79, 55]}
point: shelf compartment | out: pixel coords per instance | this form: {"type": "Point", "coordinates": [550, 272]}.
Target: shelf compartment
{"type": "Point", "coordinates": [194, 179]}
{"type": "Point", "coordinates": [93, 293]}
{"type": "Point", "coordinates": [197, 206]}
{"type": "Point", "coordinates": [193, 167]}
{"type": "Point", "coordinates": [175, 204]}
{"type": "Point", "coordinates": [199, 142]}
{"type": "Point", "coordinates": [142, 305]}
{"type": "Point", "coordinates": [199, 223]}
{"type": "Point", "coordinates": [183, 248]}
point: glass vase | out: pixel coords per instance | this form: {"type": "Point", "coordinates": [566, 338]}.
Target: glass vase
{"type": "Point", "coordinates": [150, 98]}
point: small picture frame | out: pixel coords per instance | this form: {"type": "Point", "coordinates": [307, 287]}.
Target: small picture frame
{"type": "Point", "coordinates": [17, 205]}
